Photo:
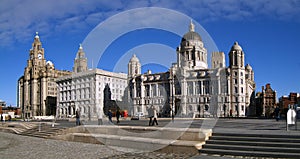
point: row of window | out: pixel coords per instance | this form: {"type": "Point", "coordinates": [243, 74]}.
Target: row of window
{"type": "Point", "coordinates": [236, 81]}
{"type": "Point", "coordinates": [85, 94]}
{"type": "Point", "coordinates": [236, 90]}
{"type": "Point", "coordinates": [199, 87]}
{"type": "Point", "coordinates": [236, 73]}
{"type": "Point", "coordinates": [150, 101]}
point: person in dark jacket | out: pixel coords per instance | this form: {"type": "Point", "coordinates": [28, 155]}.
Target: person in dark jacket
{"type": "Point", "coordinates": [118, 114]}
{"type": "Point", "coordinates": [77, 115]}
{"type": "Point", "coordinates": [109, 115]}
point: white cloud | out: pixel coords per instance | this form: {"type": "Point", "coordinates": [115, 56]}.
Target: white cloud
{"type": "Point", "coordinates": [21, 18]}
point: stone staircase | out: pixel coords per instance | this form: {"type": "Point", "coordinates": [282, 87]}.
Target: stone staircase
{"type": "Point", "coordinates": [169, 140]}
{"type": "Point", "coordinates": [253, 145]}
{"type": "Point", "coordinates": [43, 130]}
{"type": "Point", "coordinates": [17, 127]}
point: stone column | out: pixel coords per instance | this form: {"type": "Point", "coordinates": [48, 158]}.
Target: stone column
{"type": "Point", "coordinates": [142, 104]}
{"type": "Point", "coordinates": [33, 97]}
{"type": "Point", "coordinates": [156, 89]}
{"type": "Point", "coordinates": [26, 99]}
{"type": "Point", "coordinates": [183, 99]}
{"type": "Point", "coordinates": [43, 93]}
{"type": "Point", "coordinates": [201, 88]}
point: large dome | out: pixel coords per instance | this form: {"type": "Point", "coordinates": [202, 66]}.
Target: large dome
{"type": "Point", "coordinates": [236, 47]}
{"type": "Point", "coordinates": [191, 35]}
{"type": "Point", "coordinates": [134, 59]}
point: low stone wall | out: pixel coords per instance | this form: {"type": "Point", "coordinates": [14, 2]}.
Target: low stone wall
{"type": "Point", "coordinates": [170, 140]}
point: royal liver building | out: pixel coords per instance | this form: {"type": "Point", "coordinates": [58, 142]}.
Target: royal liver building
{"type": "Point", "coordinates": [190, 88]}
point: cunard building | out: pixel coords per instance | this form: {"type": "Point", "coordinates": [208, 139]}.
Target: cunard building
{"type": "Point", "coordinates": [190, 88]}
{"type": "Point", "coordinates": [37, 87]}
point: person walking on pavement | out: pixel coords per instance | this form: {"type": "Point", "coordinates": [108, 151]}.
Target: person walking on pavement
{"type": "Point", "coordinates": [150, 115]}
{"type": "Point", "coordinates": [118, 114]}
{"type": "Point", "coordinates": [154, 116]}
{"type": "Point", "coordinates": [110, 115]}
{"type": "Point", "coordinates": [77, 115]}
{"type": "Point", "coordinates": [100, 118]}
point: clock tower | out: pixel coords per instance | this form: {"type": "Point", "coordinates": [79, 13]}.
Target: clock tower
{"type": "Point", "coordinates": [37, 88]}
{"type": "Point", "coordinates": [36, 52]}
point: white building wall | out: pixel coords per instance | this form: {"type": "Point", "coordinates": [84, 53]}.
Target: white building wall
{"type": "Point", "coordinates": [84, 91]}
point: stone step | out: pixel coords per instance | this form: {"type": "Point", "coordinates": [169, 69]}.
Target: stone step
{"type": "Point", "coordinates": [147, 132]}
{"type": "Point", "coordinates": [13, 130]}
{"type": "Point", "coordinates": [44, 131]}
{"type": "Point", "coordinates": [253, 139]}
{"type": "Point", "coordinates": [37, 135]}
{"type": "Point", "coordinates": [18, 130]}
{"type": "Point", "coordinates": [254, 143]}
{"type": "Point", "coordinates": [140, 143]}
{"type": "Point", "coordinates": [173, 140]}
{"type": "Point", "coordinates": [28, 125]}
{"type": "Point", "coordinates": [223, 152]}
{"type": "Point", "coordinates": [258, 135]}
{"type": "Point", "coordinates": [252, 148]}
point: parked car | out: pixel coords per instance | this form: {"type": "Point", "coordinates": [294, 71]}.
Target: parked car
{"type": "Point", "coordinates": [138, 116]}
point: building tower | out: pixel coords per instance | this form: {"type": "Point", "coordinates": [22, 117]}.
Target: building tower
{"type": "Point", "coordinates": [134, 66]}
{"type": "Point", "coordinates": [80, 62]}
{"type": "Point", "coordinates": [37, 87]}
{"type": "Point", "coordinates": [134, 69]}
{"type": "Point", "coordinates": [191, 53]}
{"type": "Point", "coordinates": [33, 83]}
{"type": "Point", "coordinates": [237, 80]}
{"type": "Point", "coordinates": [218, 60]}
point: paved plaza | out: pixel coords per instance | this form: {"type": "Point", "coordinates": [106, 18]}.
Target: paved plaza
{"type": "Point", "coordinates": [219, 125]}
{"type": "Point", "coordinates": [17, 146]}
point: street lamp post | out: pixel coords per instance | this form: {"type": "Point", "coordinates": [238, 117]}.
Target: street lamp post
{"type": "Point", "coordinates": [172, 97]}
{"type": "Point", "coordinates": [172, 93]}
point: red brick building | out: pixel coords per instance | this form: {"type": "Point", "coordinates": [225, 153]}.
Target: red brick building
{"type": "Point", "coordinates": [285, 101]}
{"type": "Point", "coordinates": [5, 110]}
{"type": "Point", "coordinates": [266, 101]}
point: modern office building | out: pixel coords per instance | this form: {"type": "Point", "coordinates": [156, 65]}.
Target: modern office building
{"type": "Point", "coordinates": [190, 88]}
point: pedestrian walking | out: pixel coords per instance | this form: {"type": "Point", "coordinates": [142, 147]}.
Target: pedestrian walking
{"type": "Point", "coordinates": [77, 115]}
{"type": "Point", "coordinates": [154, 117]}
{"type": "Point", "coordinates": [277, 113]}
{"type": "Point", "coordinates": [109, 115]}
{"type": "Point", "coordinates": [100, 118]}
{"type": "Point", "coordinates": [118, 114]}
{"type": "Point", "coordinates": [150, 115]}
{"type": "Point", "coordinates": [1, 118]}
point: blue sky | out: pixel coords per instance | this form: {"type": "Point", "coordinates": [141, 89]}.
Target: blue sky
{"type": "Point", "coordinates": [267, 30]}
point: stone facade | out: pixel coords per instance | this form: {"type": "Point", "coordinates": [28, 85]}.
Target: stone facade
{"type": "Point", "coordinates": [190, 88]}
{"type": "Point", "coordinates": [37, 87]}
{"type": "Point", "coordinates": [85, 89]}
{"type": "Point", "coordinates": [266, 101]}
